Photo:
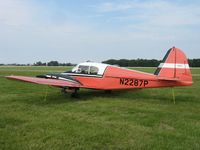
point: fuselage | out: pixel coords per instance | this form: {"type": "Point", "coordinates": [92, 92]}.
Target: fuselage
{"type": "Point", "coordinates": [115, 78]}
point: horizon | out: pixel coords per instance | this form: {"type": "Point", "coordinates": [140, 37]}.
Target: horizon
{"type": "Point", "coordinates": [72, 64]}
{"type": "Point", "coordinates": [69, 31]}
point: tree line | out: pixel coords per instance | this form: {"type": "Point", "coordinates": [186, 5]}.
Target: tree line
{"type": "Point", "coordinates": [39, 63]}
{"type": "Point", "coordinates": [144, 62]}
{"type": "Point", "coordinates": [52, 63]}
{"type": "Point", "coordinates": [120, 62]}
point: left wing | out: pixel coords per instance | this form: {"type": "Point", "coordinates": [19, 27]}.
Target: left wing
{"type": "Point", "coordinates": [52, 82]}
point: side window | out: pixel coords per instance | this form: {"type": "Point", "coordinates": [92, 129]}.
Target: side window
{"type": "Point", "coordinates": [93, 70]}
{"type": "Point", "coordinates": [83, 69]}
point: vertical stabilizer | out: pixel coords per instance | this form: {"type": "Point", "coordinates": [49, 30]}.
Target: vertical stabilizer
{"type": "Point", "coordinates": [174, 65]}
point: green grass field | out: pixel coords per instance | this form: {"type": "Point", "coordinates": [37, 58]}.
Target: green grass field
{"type": "Point", "coordinates": [138, 119]}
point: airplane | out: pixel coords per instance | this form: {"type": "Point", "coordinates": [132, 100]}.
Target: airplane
{"type": "Point", "coordinates": [173, 71]}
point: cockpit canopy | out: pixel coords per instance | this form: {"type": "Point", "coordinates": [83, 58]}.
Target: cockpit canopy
{"type": "Point", "coordinates": [90, 68]}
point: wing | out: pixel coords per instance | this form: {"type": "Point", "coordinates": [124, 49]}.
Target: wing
{"type": "Point", "coordinates": [52, 82]}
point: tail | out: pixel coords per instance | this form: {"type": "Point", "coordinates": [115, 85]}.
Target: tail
{"type": "Point", "coordinates": [175, 66]}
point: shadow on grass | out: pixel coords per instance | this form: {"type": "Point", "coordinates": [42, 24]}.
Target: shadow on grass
{"type": "Point", "coordinates": [56, 97]}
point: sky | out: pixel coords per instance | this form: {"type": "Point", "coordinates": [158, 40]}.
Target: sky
{"type": "Point", "coordinates": [96, 30]}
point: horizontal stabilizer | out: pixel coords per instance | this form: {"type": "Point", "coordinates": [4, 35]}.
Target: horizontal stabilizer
{"type": "Point", "coordinates": [168, 79]}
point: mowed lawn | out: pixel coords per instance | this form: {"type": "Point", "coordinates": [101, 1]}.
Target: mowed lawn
{"type": "Point", "coordinates": [137, 119]}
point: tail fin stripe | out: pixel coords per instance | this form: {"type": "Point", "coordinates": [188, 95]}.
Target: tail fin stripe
{"type": "Point", "coordinates": [173, 65]}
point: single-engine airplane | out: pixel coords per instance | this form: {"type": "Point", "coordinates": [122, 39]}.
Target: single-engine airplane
{"type": "Point", "coordinates": [172, 71]}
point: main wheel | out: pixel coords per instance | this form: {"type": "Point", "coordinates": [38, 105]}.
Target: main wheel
{"type": "Point", "coordinates": [108, 91]}
{"type": "Point", "coordinates": [75, 93]}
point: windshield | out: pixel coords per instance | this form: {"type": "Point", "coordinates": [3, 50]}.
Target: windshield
{"type": "Point", "coordinates": [90, 68]}
{"type": "Point", "coordinates": [82, 69]}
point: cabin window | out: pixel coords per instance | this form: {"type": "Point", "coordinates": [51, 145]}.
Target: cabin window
{"type": "Point", "coordinates": [83, 69]}
{"type": "Point", "coordinates": [93, 70]}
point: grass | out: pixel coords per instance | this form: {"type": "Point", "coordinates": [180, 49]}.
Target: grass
{"type": "Point", "coordinates": [138, 119]}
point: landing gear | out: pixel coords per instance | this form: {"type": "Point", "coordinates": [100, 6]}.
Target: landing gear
{"type": "Point", "coordinates": [73, 91]}
{"type": "Point", "coordinates": [64, 90]}
{"type": "Point", "coordinates": [108, 91]}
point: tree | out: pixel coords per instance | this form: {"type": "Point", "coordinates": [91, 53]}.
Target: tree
{"type": "Point", "coordinates": [53, 63]}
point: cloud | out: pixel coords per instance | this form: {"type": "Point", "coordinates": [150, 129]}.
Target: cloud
{"type": "Point", "coordinates": [158, 24]}
{"type": "Point", "coordinates": [33, 30]}
{"type": "Point", "coordinates": [154, 13]}
{"type": "Point", "coordinates": [111, 7]}
{"type": "Point", "coordinates": [15, 13]}
{"type": "Point", "coordinates": [156, 21]}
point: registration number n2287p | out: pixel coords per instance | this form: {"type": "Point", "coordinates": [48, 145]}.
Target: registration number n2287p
{"type": "Point", "coordinates": [133, 82]}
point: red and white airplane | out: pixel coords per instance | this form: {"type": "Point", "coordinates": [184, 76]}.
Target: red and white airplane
{"type": "Point", "coordinates": [173, 71]}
